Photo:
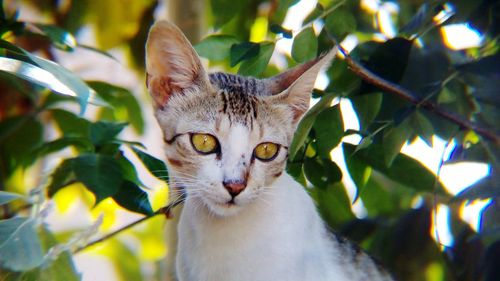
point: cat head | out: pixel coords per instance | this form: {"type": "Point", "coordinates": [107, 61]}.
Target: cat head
{"type": "Point", "coordinates": [226, 136]}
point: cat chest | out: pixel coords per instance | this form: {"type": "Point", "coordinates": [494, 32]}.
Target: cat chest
{"type": "Point", "coordinates": [244, 261]}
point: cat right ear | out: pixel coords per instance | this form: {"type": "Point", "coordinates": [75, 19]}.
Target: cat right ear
{"type": "Point", "coordinates": [172, 64]}
{"type": "Point", "coordinates": [294, 86]}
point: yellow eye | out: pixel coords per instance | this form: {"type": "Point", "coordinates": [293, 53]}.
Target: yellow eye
{"type": "Point", "coordinates": [204, 143]}
{"type": "Point", "coordinates": [266, 151]}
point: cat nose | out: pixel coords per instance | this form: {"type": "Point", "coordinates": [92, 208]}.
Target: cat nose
{"type": "Point", "coordinates": [234, 187]}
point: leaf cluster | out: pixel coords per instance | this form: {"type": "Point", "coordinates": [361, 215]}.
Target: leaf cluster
{"type": "Point", "coordinates": [398, 192]}
{"type": "Point", "coordinates": [37, 124]}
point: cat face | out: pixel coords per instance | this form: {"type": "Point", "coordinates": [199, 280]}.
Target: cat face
{"type": "Point", "coordinates": [226, 136]}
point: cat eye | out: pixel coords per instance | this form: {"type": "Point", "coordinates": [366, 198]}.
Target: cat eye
{"type": "Point", "coordinates": [204, 143]}
{"type": "Point", "coordinates": [266, 151]}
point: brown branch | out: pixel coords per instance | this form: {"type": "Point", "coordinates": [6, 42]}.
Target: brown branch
{"type": "Point", "coordinates": [162, 211]}
{"type": "Point", "coordinates": [405, 94]}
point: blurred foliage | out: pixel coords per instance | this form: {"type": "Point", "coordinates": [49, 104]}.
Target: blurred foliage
{"type": "Point", "coordinates": [399, 193]}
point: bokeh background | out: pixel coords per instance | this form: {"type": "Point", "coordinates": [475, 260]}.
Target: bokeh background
{"type": "Point", "coordinates": [418, 192]}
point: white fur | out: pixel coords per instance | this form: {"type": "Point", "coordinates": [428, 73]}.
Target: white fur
{"type": "Point", "coordinates": [237, 153]}
{"type": "Point", "coordinates": [271, 231]}
{"type": "Point", "coordinates": [278, 236]}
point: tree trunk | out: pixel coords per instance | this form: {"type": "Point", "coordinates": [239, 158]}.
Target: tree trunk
{"type": "Point", "coordinates": [189, 16]}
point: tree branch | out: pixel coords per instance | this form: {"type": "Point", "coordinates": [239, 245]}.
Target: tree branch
{"type": "Point", "coordinates": [162, 211]}
{"type": "Point", "coordinates": [405, 94]}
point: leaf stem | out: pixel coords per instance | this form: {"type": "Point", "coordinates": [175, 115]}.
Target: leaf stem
{"type": "Point", "coordinates": [162, 211]}
{"type": "Point", "coordinates": [331, 9]}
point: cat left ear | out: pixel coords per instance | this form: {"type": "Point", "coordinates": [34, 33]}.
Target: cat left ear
{"type": "Point", "coordinates": [294, 86]}
{"type": "Point", "coordinates": [172, 64]}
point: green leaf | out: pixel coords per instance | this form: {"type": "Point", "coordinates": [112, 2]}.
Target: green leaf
{"type": "Point", "coordinates": [102, 132]}
{"type": "Point", "coordinates": [83, 144]}
{"type": "Point", "coordinates": [58, 78]}
{"type": "Point", "coordinates": [131, 197]}
{"type": "Point", "coordinates": [325, 43]}
{"type": "Point", "coordinates": [378, 199]}
{"type": "Point", "coordinates": [333, 204]}
{"type": "Point", "coordinates": [340, 23]}
{"type": "Point", "coordinates": [256, 65]}
{"type": "Point", "coordinates": [306, 124]}
{"type": "Point", "coordinates": [216, 47]}
{"type": "Point", "coordinates": [322, 172]}
{"type": "Point", "coordinates": [305, 45]}
{"type": "Point", "coordinates": [295, 170]}
{"type": "Point", "coordinates": [490, 218]}
{"type": "Point", "coordinates": [33, 74]}
{"type": "Point", "coordinates": [225, 10]}
{"type": "Point", "coordinates": [485, 66]}
{"type": "Point", "coordinates": [20, 246]}
{"type": "Point", "coordinates": [280, 12]}
{"type": "Point", "coordinates": [6, 197]}
{"type": "Point", "coordinates": [104, 53]}
{"type": "Point", "coordinates": [243, 51]}
{"type": "Point", "coordinates": [59, 269]}
{"type": "Point", "coordinates": [342, 79]}
{"type": "Point", "coordinates": [101, 174]}
{"type": "Point", "coordinates": [393, 140]}
{"type": "Point", "coordinates": [479, 152]}
{"type": "Point", "coordinates": [390, 59]}
{"type": "Point", "coordinates": [8, 126]}
{"type": "Point", "coordinates": [367, 107]}
{"type": "Point", "coordinates": [60, 177]}
{"type": "Point", "coordinates": [278, 29]}
{"type": "Point", "coordinates": [422, 126]}
{"type": "Point", "coordinates": [404, 169]}
{"type": "Point", "coordinates": [61, 38]}
{"type": "Point", "coordinates": [130, 143]}
{"type": "Point", "coordinates": [365, 142]}
{"type": "Point", "coordinates": [128, 169]}
{"type": "Point", "coordinates": [126, 108]}
{"type": "Point", "coordinates": [329, 130]}
{"type": "Point", "coordinates": [21, 136]}
{"type": "Point", "coordinates": [154, 165]}
{"type": "Point", "coordinates": [70, 124]}
{"type": "Point", "coordinates": [52, 100]}
{"type": "Point", "coordinates": [359, 171]}
{"type": "Point", "coordinates": [420, 19]}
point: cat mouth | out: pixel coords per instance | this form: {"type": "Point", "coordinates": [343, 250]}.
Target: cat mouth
{"type": "Point", "coordinates": [227, 204]}
{"type": "Point", "coordinates": [224, 208]}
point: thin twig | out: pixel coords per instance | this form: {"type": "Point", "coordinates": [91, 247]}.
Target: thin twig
{"type": "Point", "coordinates": [405, 94]}
{"type": "Point", "coordinates": [162, 211]}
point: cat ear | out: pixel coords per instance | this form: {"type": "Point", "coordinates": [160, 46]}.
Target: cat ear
{"type": "Point", "coordinates": [294, 86]}
{"type": "Point", "coordinates": [172, 65]}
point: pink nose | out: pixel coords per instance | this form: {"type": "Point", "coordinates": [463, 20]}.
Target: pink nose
{"type": "Point", "coordinates": [234, 187]}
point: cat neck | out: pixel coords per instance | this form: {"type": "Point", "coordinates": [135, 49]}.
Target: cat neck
{"type": "Point", "coordinates": [262, 242]}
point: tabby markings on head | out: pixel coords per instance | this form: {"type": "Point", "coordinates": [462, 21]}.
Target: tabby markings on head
{"type": "Point", "coordinates": [239, 96]}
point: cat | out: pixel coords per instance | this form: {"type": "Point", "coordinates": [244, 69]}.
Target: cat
{"type": "Point", "coordinates": [226, 145]}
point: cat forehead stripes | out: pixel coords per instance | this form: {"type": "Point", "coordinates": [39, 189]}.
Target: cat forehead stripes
{"type": "Point", "coordinates": [238, 96]}
{"type": "Point", "coordinates": [236, 83]}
